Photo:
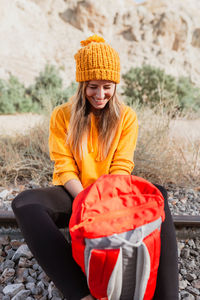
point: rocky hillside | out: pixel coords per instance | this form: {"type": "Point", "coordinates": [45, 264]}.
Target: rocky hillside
{"type": "Point", "coordinates": [162, 33]}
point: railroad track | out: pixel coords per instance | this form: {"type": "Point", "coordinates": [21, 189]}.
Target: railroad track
{"type": "Point", "coordinates": [7, 218]}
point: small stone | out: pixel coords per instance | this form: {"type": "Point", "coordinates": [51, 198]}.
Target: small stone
{"type": "Point", "coordinates": [40, 284]}
{"type": "Point", "coordinates": [191, 243]}
{"type": "Point", "coordinates": [44, 297]}
{"type": "Point", "coordinates": [15, 244]}
{"type": "Point", "coordinates": [181, 245]}
{"type": "Point", "coordinates": [194, 253]}
{"type": "Point", "coordinates": [196, 284]}
{"type": "Point", "coordinates": [45, 294]}
{"type": "Point", "coordinates": [4, 240]}
{"type": "Point", "coordinates": [55, 293]}
{"type": "Point", "coordinates": [33, 184]}
{"type": "Point", "coordinates": [4, 194]}
{"type": "Point", "coordinates": [44, 278]}
{"type": "Point", "coordinates": [33, 261]}
{"type": "Point", "coordinates": [170, 199]}
{"type": "Point", "coordinates": [1, 261]}
{"type": "Point", "coordinates": [30, 286]}
{"type": "Point", "coordinates": [176, 194]}
{"type": "Point", "coordinates": [50, 288]}
{"type": "Point", "coordinates": [21, 275]}
{"type": "Point", "coordinates": [193, 290]}
{"type": "Point", "coordinates": [39, 269]}
{"type": "Point", "coordinates": [190, 276]}
{"type": "Point", "coordinates": [187, 296]}
{"type": "Point", "coordinates": [13, 289]}
{"type": "Point", "coordinates": [191, 264]}
{"type": "Point", "coordinates": [183, 284]}
{"type": "Point", "coordinates": [10, 197]}
{"type": "Point", "coordinates": [32, 273]}
{"type": "Point", "coordinates": [7, 247]}
{"type": "Point", "coordinates": [183, 272]}
{"type": "Point", "coordinates": [30, 279]}
{"type": "Point", "coordinates": [24, 262]}
{"type": "Point", "coordinates": [10, 253]}
{"type": "Point", "coordinates": [35, 267]}
{"type": "Point", "coordinates": [185, 253]}
{"type": "Point", "coordinates": [7, 275]}
{"type": "Point", "coordinates": [22, 295]}
{"type": "Point", "coordinates": [7, 264]}
{"type": "Point", "coordinates": [37, 290]}
{"type": "Point", "coordinates": [6, 297]}
{"type": "Point", "coordinates": [22, 251]}
{"type": "Point", "coordinates": [183, 294]}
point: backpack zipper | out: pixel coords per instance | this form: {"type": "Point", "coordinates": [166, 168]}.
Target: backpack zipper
{"type": "Point", "coordinates": [112, 214]}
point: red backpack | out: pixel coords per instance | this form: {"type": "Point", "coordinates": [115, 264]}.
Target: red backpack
{"type": "Point", "coordinates": [115, 234]}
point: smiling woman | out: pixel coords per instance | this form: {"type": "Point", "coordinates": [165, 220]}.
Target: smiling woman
{"type": "Point", "coordinates": [92, 135]}
{"type": "Point", "coordinates": [99, 92]}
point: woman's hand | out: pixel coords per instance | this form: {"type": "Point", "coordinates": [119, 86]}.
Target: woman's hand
{"type": "Point", "coordinates": [89, 297]}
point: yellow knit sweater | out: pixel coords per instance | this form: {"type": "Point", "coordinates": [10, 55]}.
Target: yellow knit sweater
{"type": "Point", "coordinates": [68, 165]}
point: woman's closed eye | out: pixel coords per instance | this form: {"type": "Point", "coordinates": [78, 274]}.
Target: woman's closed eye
{"type": "Point", "coordinates": [95, 87]}
{"type": "Point", "coordinates": [92, 87]}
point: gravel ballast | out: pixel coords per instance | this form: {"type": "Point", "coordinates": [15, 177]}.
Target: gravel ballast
{"type": "Point", "coordinates": [22, 278]}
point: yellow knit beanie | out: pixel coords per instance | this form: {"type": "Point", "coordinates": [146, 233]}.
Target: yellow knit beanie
{"type": "Point", "coordinates": [97, 61]}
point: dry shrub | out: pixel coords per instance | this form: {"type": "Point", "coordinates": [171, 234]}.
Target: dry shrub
{"type": "Point", "coordinates": [188, 155]}
{"type": "Point", "coordinates": [160, 158]}
{"type": "Point", "coordinates": [26, 157]}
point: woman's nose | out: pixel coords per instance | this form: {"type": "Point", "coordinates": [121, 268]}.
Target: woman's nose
{"type": "Point", "coordinates": [100, 93]}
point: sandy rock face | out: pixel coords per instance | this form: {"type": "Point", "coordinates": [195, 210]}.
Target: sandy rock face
{"type": "Point", "coordinates": [165, 34]}
{"type": "Point", "coordinates": [196, 38]}
{"type": "Point", "coordinates": [100, 17]}
{"type": "Point", "coordinates": [33, 36]}
{"type": "Point", "coordinates": [23, 50]}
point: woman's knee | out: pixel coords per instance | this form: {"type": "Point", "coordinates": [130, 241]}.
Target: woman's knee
{"type": "Point", "coordinates": [25, 198]}
{"type": "Point", "coordinates": [52, 199]}
{"type": "Point", "coordinates": [163, 191]}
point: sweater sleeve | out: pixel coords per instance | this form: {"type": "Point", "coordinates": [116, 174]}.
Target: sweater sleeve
{"type": "Point", "coordinates": [65, 167]}
{"type": "Point", "coordinates": [122, 162]}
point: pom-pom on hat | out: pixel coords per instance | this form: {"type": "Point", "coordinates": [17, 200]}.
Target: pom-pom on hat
{"type": "Point", "coordinates": [97, 60]}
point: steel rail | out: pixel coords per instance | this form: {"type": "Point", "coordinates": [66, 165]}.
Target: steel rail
{"type": "Point", "coordinates": [186, 221]}
{"type": "Point", "coordinates": [8, 218]}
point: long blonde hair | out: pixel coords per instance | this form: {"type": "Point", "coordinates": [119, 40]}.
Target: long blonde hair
{"type": "Point", "coordinates": [80, 122]}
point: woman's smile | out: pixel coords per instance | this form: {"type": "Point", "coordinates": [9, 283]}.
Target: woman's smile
{"type": "Point", "coordinates": [99, 101]}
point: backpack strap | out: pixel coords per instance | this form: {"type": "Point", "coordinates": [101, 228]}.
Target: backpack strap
{"type": "Point", "coordinates": [142, 272]}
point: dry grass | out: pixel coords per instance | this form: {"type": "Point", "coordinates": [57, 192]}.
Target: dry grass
{"type": "Point", "coordinates": [159, 157]}
{"type": "Point", "coordinates": [163, 158]}
{"type": "Point", "coordinates": [188, 156]}
{"type": "Point", "coordinates": [26, 157]}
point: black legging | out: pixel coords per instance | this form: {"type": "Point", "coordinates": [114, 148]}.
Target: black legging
{"type": "Point", "coordinates": [41, 212]}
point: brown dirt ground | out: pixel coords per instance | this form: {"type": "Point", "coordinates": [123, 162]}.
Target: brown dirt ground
{"type": "Point", "coordinates": [185, 129]}
{"type": "Point", "coordinates": [12, 125]}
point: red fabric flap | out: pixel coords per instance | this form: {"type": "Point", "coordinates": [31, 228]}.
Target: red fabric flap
{"type": "Point", "coordinates": [101, 265]}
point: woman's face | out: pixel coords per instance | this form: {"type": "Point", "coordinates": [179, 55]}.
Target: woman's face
{"type": "Point", "coordinates": [99, 92]}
